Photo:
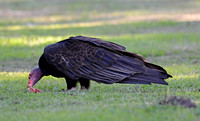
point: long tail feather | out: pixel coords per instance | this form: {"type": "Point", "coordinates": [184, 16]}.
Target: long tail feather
{"type": "Point", "coordinates": [148, 77]}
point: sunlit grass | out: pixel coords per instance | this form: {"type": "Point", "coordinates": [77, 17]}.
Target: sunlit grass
{"type": "Point", "coordinates": [184, 76]}
{"type": "Point", "coordinates": [28, 41]}
{"type": "Point", "coordinates": [118, 98]}
{"type": "Point", "coordinates": [191, 76]}
{"type": "Point", "coordinates": [147, 44]}
{"type": "Point", "coordinates": [88, 24]}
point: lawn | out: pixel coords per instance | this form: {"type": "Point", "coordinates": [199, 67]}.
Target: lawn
{"type": "Point", "coordinates": [164, 32]}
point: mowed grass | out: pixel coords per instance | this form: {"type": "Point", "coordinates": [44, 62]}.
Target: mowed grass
{"type": "Point", "coordinates": [26, 27]}
{"type": "Point", "coordinates": [101, 102]}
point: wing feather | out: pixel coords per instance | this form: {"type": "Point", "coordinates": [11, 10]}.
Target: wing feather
{"type": "Point", "coordinates": [101, 61]}
{"type": "Point", "coordinates": [96, 63]}
{"type": "Point", "coordinates": [98, 42]}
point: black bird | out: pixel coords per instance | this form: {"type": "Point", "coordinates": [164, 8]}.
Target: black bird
{"type": "Point", "coordinates": [81, 59]}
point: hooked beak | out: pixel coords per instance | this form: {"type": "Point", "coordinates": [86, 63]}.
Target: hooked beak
{"type": "Point", "coordinates": [33, 81]}
{"type": "Point", "coordinates": [36, 75]}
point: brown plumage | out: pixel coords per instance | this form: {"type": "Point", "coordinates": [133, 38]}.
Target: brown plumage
{"type": "Point", "coordinates": [80, 59]}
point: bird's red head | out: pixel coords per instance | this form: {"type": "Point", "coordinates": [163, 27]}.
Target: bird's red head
{"type": "Point", "coordinates": [34, 76]}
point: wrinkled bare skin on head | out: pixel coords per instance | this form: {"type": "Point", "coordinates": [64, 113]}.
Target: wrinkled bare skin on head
{"type": "Point", "coordinates": [34, 76]}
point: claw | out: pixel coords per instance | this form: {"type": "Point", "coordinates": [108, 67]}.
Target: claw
{"type": "Point", "coordinates": [83, 88]}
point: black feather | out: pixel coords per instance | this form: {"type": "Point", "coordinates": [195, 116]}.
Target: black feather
{"type": "Point", "coordinates": [100, 61]}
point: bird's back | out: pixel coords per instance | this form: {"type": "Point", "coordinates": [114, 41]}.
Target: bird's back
{"type": "Point", "coordinates": [101, 61]}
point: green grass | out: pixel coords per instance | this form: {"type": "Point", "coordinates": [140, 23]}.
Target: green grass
{"type": "Point", "coordinates": [101, 102]}
{"type": "Point", "coordinates": [26, 27]}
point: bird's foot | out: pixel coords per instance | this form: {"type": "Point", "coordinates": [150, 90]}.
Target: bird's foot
{"type": "Point", "coordinates": [83, 88]}
{"type": "Point", "coordinates": [73, 88]}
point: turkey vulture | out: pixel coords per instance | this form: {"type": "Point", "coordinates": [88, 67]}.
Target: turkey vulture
{"type": "Point", "coordinates": [81, 59]}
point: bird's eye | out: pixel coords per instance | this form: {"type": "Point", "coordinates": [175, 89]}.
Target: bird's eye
{"type": "Point", "coordinates": [29, 76]}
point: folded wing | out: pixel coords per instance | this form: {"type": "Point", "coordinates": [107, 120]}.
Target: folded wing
{"type": "Point", "coordinates": [101, 61]}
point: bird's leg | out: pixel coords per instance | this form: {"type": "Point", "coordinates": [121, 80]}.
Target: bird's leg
{"type": "Point", "coordinates": [85, 83]}
{"type": "Point", "coordinates": [71, 84]}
